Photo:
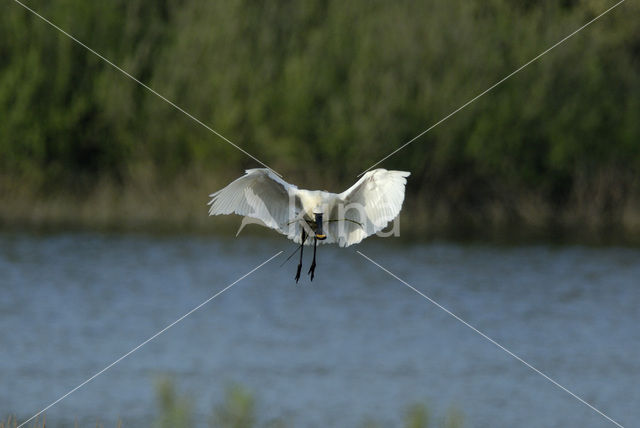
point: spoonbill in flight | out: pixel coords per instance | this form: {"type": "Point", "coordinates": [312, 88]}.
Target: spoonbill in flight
{"type": "Point", "coordinates": [342, 218]}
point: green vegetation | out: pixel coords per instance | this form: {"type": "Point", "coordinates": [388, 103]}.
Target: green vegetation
{"type": "Point", "coordinates": [320, 91]}
{"type": "Point", "coordinates": [12, 422]}
{"type": "Point", "coordinates": [174, 411]}
{"type": "Point", "coordinates": [239, 411]}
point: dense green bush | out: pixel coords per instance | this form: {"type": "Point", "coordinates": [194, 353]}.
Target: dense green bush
{"type": "Point", "coordinates": [321, 90]}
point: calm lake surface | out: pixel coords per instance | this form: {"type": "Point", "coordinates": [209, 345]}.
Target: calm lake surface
{"type": "Point", "coordinates": [352, 345]}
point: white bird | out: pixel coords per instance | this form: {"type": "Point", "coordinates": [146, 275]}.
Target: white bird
{"type": "Point", "coordinates": [344, 218]}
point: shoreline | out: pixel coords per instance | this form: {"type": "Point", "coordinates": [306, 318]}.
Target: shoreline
{"type": "Point", "coordinates": [147, 204]}
{"type": "Point", "coordinates": [103, 213]}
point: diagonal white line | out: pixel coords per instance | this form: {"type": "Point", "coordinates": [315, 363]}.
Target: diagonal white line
{"type": "Point", "coordinates": [162, 97]}
{"type": "Point", "coordinates": [491, 340]}
{"type": "Point", "coordinates": [150, 339]}
{"type": "Point", "coordinates": [494, 85]}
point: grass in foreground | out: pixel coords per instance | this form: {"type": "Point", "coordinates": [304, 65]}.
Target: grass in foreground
{"type": "Point", "coordinates": [238, 410]}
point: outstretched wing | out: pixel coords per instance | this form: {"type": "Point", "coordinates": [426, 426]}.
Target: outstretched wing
{"type": "Point", "coordinates": [259, 194]}
{"type": "Point", "coordinates": [367, 206]}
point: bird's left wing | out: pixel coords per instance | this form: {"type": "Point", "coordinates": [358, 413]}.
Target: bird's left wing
{"type": "Point", "coordinates": [259, 194]}
{"type": "Point", "coordinates": [367, 206]}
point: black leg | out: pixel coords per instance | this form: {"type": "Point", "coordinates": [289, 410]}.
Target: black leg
{"type": "Point", "coordinates": [312, 269]}
{"type": "Point", "coordinates": [304, 238]}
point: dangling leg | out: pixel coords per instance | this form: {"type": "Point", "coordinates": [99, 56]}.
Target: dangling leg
{"type": "Point", "coordinates": [312, 269]}
{"type": "Point", "coordinates": [304, 238]}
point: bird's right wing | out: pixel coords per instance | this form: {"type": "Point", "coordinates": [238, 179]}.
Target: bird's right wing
{"type": "Point", "coordinates": [259, 194]}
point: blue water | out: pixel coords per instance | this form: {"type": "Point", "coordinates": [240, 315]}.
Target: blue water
{"type": "Point", "coordinates": [352, 345]}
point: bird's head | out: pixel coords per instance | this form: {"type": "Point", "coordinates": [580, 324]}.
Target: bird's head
{"type": "Point", "coordinates": [319, 232]}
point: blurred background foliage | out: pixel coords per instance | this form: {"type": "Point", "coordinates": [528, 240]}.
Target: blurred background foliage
{"type": "Point", "coordinates": [320, 90]}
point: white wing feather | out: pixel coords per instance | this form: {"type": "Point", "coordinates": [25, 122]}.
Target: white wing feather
{"type": "Point", "coordinates": [360, 211]}
{"type": "Point", "coordinates": [369, 205]}
{"type": "Point", "coordinates": [259, 194]}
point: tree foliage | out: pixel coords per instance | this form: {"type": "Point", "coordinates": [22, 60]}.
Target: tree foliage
{"type": "Point", "coordinates": [327, 84]}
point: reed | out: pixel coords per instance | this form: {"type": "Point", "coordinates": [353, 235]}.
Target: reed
{"type": "Point", "coordinates": [239, 410]}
